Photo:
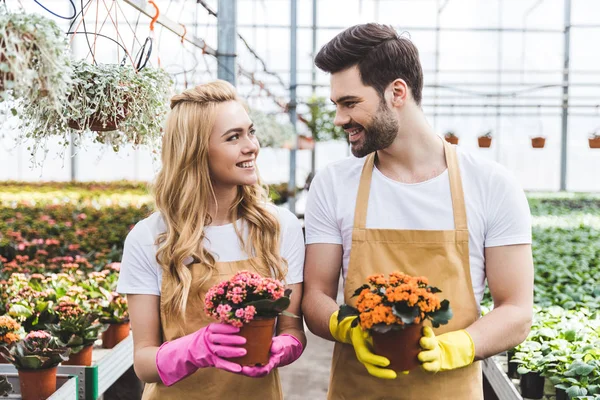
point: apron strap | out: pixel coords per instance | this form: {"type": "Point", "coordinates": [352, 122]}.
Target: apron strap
{"type": "Point", "coordinates": [456, 188]}
{"type": "Point", "coordinates": [456, 191]}
{"type": "Point", "coordinates": [364, 188]}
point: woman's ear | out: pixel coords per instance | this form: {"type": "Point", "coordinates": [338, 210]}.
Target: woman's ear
{"type": "Point", "coordinates": [399, 91]}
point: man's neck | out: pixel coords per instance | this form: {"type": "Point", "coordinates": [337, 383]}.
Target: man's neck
{"type": "Point", "coordinates": [219, 210]}
{"type": "Point", "coordinates": [417, 153]}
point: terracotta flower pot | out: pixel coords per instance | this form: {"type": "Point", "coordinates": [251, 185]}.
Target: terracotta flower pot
{"type": "Point", "coordinates": [538, 142]}
{"type": "Point", "coordinates": [451, 139]}
{"type": "Point", "coordinates": [594, 143]}
{"type": "Point", "coordinates": [37, 384]}
{"type": "Point", "coordinates": [401, 347]}
{"type": "Point", "coordinates": [115, 334]}
{"type": "Point", "coordinates": [258, 334]}
{"type": "Point", "coordinates": [84, 357]}
{"type": "Point", "coordinates": [532, 385]}
{"type": "Point", "coordinates": [484, 141]}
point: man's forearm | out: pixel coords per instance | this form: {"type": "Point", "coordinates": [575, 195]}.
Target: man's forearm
{"type": "Point", "coordinates": [317, 308]}
{"type": "Point", "coordinates": [503, 328]}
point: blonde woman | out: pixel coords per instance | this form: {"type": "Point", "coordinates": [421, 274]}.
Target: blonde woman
{"type": "Point", "coordinates": [213, 220]}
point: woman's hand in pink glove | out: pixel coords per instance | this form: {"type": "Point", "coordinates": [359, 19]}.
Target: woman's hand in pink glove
{"type": "Point", "coordinates": [204, 348]}
{"type": "Point", "coordinates": [285, 349]}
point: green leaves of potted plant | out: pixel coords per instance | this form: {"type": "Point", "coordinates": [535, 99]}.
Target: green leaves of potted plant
{"type": "Point", "coordinates": [34, 61]}
{"type": "Point", "coordinates": [114, 312]}
{"type": "Point", "coordinates": [594, 140]}
{"type": "Point", "coordinates": [36, 358]}
{"type": "Point", "coordinates": [485, 140]}
{"type": "Point", "coordinates": [251, 302]}
{"type": "Point", "coordinates": [76, 329]}
{"type": "Point", "coordinates": [393, 311]}
{"type": "Point", "coordinates": [451, 137]}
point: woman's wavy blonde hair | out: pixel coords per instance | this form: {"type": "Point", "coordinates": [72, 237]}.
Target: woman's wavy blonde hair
{"type": "Point", "coordinates": [182, 191]}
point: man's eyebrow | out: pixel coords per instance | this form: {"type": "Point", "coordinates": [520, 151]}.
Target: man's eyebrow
{"type": "Point", "coordinates": [344, 99]}
{"type": "Point", "coordinates": [237, 130]}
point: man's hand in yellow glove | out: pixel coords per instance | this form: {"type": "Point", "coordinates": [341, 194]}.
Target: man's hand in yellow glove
{"type": "Point", "coordinates": [448, 351]}
{"type": "Point", "coordinates": [344, 332]}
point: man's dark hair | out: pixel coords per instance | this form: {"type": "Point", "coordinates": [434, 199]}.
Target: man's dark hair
{"type": "Point", "coordinates": [381, 55]}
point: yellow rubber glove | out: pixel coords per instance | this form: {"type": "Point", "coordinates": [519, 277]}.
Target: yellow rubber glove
{"type": "Point", "coordinates": [360, 340]}
{"type": "Point", "coordinates": [448, 351]}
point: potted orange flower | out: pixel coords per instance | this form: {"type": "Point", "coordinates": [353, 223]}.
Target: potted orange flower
{"type": "Point", "coordinates": [393, 311]}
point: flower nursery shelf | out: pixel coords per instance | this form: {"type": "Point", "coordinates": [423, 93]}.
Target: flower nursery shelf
{"type": "Point", "coordinates": [66, 387]}
{"type": "Point", "coordinates": [108, 365]}
{"type": "Point", "coordinates": [498, 382]}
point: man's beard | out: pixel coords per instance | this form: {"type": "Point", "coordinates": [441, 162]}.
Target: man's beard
{"type": "Point", "coordinates": [379, 134]}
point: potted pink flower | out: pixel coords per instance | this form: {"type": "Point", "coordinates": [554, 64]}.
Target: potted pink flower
{"type": "Point", "coordinates": [251, 302]}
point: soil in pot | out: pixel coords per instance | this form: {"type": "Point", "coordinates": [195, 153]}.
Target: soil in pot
{"type": "Point", "coordinates": [83, 357]}
{"type": "Point", "coordinates": [115, 334]}
{"type": "Point", "coordinates": [258, 334]}
{"type": "Point", "coordinates": [532, 385]}
{"type": "Point", "coordinates": [401, 347]}
{"type": "Point", "coordinates": [37, 384]}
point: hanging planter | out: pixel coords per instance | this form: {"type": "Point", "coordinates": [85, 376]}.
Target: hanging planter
{"type": "Point", "coordinates": [594, 141]}
{"type": "Point", "coordinates": [451, 137]}
{"type": "Point", "coordinates": [119, 105]}
{"type": "Point", "coordinates": [485, 140]}
{"type": "Point", "coordinates": [34, 62]}
{"type": "Point", "coordinates": [538, 142]}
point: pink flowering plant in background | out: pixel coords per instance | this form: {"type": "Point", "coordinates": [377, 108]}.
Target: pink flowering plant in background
{"type": "Point", "coordinates": [245, 297]}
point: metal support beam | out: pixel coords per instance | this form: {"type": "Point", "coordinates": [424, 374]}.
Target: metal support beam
{"type": "Point", "coordinates": [313, 153]}
{"type": "Point", "coordinates": [565, 111]}
{"type": "Point", "coordinates": [226, 40]}
{"type": "Point", "coordinates": [292, 105]}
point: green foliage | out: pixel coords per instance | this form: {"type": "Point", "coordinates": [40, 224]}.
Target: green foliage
{"type": "Point", "coordinates": [5, 386]}
{"type": "Point", "coordinates": [320, 124]}
{"type": "Point", "coordinates": [38, 350]}
{"type": "Point", "coordinates": [270, 131]}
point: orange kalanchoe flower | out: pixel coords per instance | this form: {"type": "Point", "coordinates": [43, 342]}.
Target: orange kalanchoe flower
{"type": "Point", "coordinates": [401, 300]}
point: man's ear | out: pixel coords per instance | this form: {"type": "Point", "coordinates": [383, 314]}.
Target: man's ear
{"type": "Point", "coordinates": [399, 92]}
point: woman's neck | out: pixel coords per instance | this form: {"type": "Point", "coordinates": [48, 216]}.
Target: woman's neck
{"type": "Point", "coordinates": [219, 211]}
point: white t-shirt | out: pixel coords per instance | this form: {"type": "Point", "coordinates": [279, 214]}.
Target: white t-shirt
{"type": "Point", "coordinates": [141, 274]}
{"type": "Point", "coordinates": [497, 209]}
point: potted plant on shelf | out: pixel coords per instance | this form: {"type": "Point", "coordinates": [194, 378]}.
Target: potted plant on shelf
{"type": "Point", "coordinates": [451, 137]}
{"type": "Point", "coordinates": [76, 329]}
{"type": "Point", "coordinates": [34, 60]}
{"type": "Point", "coordinates": [36, 358]}
{"type": "Point", "coordinates": [251, 302]}
{"type": "Point", "coordinates": [393, 311]}
{"type": "Point", "coordinates": [114, 312]}
{"type": "Point", "coordinates": [594, 140]}
{"type": "Point", "coordinates": [485, 140]}
{"type": "Point", "coordinates": [528, 355]}
{"type": "Point", "coordinates": [10, 333]}
{"type": "Point", "coordinates": [538, 142]}
{"type": "Point", "coordinates": [121, 106]}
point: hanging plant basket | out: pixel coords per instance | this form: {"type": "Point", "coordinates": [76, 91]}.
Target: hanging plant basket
{"type": "Point", "coordinates": [594, 142]}
{"type": "Point", "coordinates": [538, 142]}
{"type": "Point", "coordinates": [451, 139]}
{"type": "Point", "coordinates": [120, 105]}
{"type": "Point", "coordinates": [35, 67]}
{"type": "Point", "coordinates": [484, 141]}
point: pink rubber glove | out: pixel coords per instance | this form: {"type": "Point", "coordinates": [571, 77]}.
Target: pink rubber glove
{"type": "Point", "coordinates": [204, 348]}
{"type": "Point", "coordinates": [285, 349]}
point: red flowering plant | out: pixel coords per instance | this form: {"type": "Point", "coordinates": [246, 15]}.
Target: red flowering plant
{"type": "Point", "coordinates": [245, 297]}
{"type": "Point", "coordinates": [38, 350]}
{"type": "Point", "coordinates": [385, 305]}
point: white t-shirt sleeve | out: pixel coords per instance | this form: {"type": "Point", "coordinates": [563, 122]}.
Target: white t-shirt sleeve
{"type": "Point", "coordinates": [292, 245]}
{"type": "Point", "coordinates": [139, 272]}
{"type": "Point", "coordinates": [508, 217]}
{"type": "Point", "coordinates": [319, 216]}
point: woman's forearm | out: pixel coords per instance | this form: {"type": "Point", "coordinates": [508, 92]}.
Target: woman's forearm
{"type": "Point", "coordinates": [144, 364]}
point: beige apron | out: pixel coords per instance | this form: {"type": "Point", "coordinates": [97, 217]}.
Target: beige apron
{"type": "Point", "coordinates": [441, 256]}
{"type": "Point", "coordinates": [211, 383]}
